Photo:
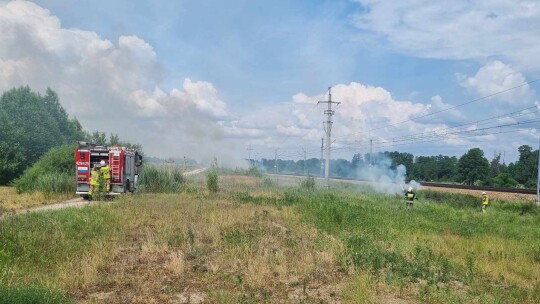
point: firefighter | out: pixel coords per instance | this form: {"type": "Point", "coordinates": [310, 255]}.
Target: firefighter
{"type": "Point", "coordinates": [485, 201]}
{"type": "Point", "coordinates": [94, 181]}
{"type": "Point", "coordinates": [410, 196]}
{"type": "Point", "coordinates": [105, 172]}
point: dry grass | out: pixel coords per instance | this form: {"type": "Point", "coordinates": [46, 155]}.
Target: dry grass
{"type": "Point", "coordinates": [496, 257]}
{"type": "Point", "coordinates": [208, 247]}
{"type": "Point", "coordinates": [510, 197]}
{"type": "Point", "coordinates": [199, 247]}
{"type": "Point", "coordinates": [11, 201]}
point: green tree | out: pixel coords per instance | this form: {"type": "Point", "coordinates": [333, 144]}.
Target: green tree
{"type": "Point", "coordinates": [425, 168]}
{"type": "Point", "coordinates": [26, 127]}
{"type": "Point", "coordinates": [504, 180]}
{"type": "Point", "coordinates": [405, 159]}
{"type": "Point", "coordinates": [446, 167]}
{"type": "Point", "coordinates": [31, 124]}
{"type": "Point", "coordinates": [98, 138]}
{"type": "Point", "coordinates": [70, 129]}
{"type": "Point", "coordinates": [524, 170]}
{"type": "Point", "coordinates": [114, 140]}
{"type": "Point", "coordinates": [473, 166]}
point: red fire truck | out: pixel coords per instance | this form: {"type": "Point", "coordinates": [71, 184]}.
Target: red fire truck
{"type": "Point", "coordinates": [123, 162]}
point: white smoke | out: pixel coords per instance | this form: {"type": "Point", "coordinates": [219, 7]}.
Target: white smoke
{"type": "Point", "coordinates": [384, 178]}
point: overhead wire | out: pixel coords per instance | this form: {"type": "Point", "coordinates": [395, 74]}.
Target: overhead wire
{"type": "Point", "coordinates": [424, 135]}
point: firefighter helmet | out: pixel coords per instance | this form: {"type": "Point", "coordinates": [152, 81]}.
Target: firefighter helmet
{"type": "Point", "coordinates": [102, 163]}
{"type": "Point", "coordinates": [410, 188]}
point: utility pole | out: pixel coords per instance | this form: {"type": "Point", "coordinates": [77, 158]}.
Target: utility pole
{"type": "Point", "coordinates": [249, 155]}
{"type": "Point", "coordinates": [328, 128]}
{"type": "Point", "coordinates": [370, 151]}
{"type": "Point", "coordinates": [275, 165]}
{"type": "Point", "coordinates": [322, 149]}
{"type": "Point", "coordinates": [185, 164]}
{"type": "Point", "coordinates": [304, 161]}
{"type": "Point", "coordinates": [538, 178]}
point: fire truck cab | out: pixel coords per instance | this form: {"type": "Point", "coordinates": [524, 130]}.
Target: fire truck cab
{"type": "Point", "coordinates": [123, 163]}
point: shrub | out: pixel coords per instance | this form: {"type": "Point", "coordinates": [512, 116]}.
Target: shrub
{"type": "Point", "coordinates": [55, 169]}
{"type": "Point", "coordinates": [504, 180]}
{"type": "Point", "coordinates": [212, 180]}
{"type": "Point", "coordinates": [308, 183]}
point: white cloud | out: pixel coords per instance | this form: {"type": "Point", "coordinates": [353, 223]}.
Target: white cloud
{"type": "Point", "coordinates": [496, 77]}
{"type": "Point", "coordinates": [113, 87]}
{"type": "Point", "coordinates": [459, 29]}
{"type": "Point", "coordinates": [438, 105]}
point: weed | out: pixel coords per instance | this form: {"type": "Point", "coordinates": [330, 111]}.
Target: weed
{"type": "Point", "coordinates": [212, 181]}
{"type": "Point", "coordinates": [308, 183]}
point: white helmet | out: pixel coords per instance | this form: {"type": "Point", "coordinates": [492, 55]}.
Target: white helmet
{"type": "Point", "coordinates": [410, 188]}
{"type": "Point", "coordinates": [483, 193]}
{"type": "Point", "coordinates": [102, 163]}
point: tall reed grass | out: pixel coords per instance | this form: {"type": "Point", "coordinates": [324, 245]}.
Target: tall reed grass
{"type": "Point", "coordinates": [48, 183]}
{"type": "Point", "coordinates": [160, 179]}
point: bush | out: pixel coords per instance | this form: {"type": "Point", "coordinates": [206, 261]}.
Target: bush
{"type": "Point", "coordinates": [504, 180]}
{"type": "Point", "coordinates": [54, 172]}
{"type": "Point", "coordinates": [254, 171]}
{"type": "Point", "coordinates": [308, 183]}
{"type": "Point", "coordinates": [212, 180]}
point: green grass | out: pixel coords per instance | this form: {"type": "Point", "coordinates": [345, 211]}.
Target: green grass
{"type": "Point", "coordinates": [443, 243]}
{"type": "Point", "coordinates": [31, 295]}
{"type": "Point", "coordinates": [37, 246]}
{"type": "Point", "coordinates": [403, 247]}
{"type": "Point", "coordinates": [444, 250]}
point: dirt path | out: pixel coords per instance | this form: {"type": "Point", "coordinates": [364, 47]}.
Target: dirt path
{"type": "Point", "coordinates": [195, 172]}
{"type": "Point", "coordinates": [72, 203]}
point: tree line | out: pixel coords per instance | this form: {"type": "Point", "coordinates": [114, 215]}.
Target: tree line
{"type": "Point", "coordinates": [31, 124]}
{"type": "Point", "coordinates": [472, 168]}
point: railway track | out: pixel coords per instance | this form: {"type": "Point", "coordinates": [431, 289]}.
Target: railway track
{"type": "Point", "coordinates": [479, 188]}
{"type": "Point", "coordinates": [443, 185]}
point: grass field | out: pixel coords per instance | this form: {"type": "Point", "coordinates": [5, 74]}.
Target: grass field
{"type": "Point", "coordinates": [254, 242]}
{"type": "Point", "coordinates": [10, 200]}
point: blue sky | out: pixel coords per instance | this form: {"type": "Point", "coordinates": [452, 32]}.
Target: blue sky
{"type": "Point", "coordinates": [211, 78]}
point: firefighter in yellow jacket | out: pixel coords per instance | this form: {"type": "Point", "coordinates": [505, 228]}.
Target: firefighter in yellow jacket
{"type": "Point", "coordinates": [106, 173]}
{"type": "Point", "coordinates": [410, 196]}
{"type": "Point", "coordinates": [485, 201]}
{"type": "Point", "coordinates": [94, 181]}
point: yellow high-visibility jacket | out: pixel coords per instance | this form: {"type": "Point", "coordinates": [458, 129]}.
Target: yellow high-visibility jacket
{"type": "Point", "coordinates": [105, 171]}
{"type": "Point", "coordinates": [485, 200]}
{"type": "Point", "coordinates": [94, 177]}
{"type": "Point", "coordinates": [410, 196]}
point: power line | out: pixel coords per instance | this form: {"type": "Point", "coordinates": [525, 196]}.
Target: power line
{"type": "Point", "coordinates": [439, 136]}
{"type": "Point", "coordinates": [474, 123]}
{"type": "Point", "coordinates": [450, 108]}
